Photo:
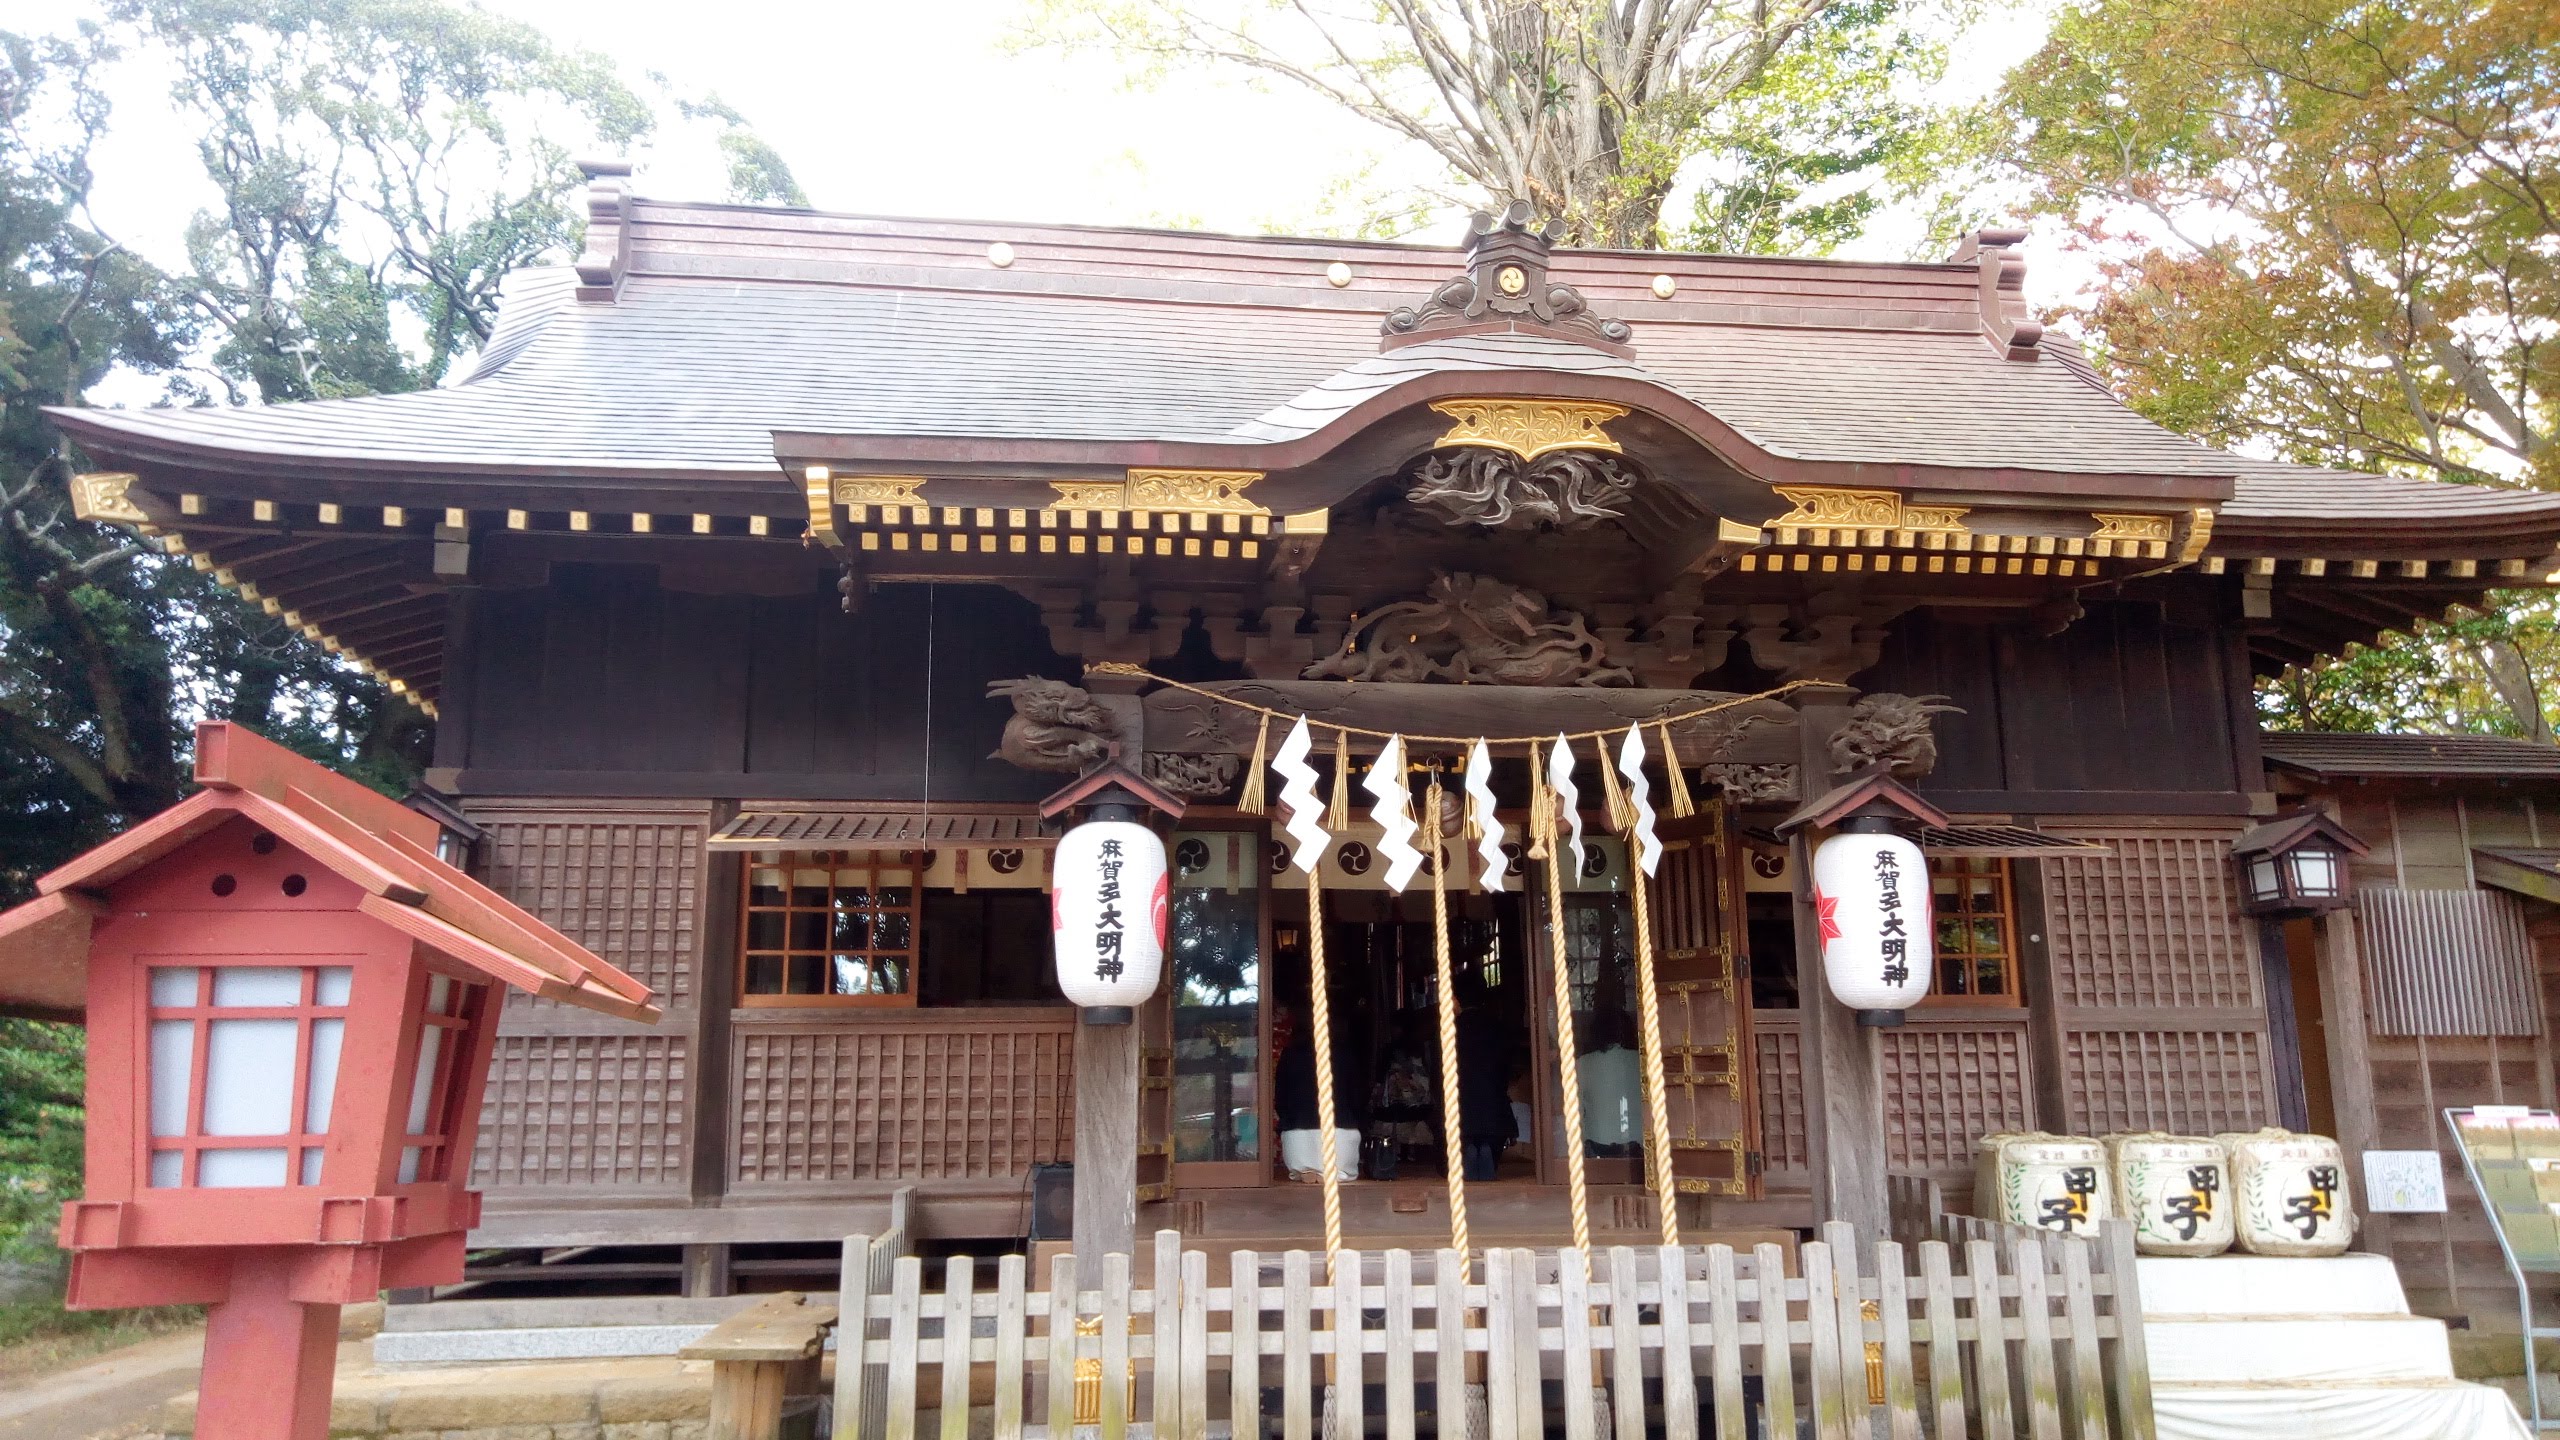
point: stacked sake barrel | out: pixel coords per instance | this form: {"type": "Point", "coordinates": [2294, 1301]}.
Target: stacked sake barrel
{"type": "Point", "coordinates": [2287, 1337]}
{"type": "Point", "coordinates": [2270, 1192]}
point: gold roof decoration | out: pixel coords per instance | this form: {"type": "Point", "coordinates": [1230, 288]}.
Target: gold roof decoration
{"type": "Point", "coordinates": [1530, 428]}
{"type": "Point", "coordinates": [880, 490]}
{"type": "Point", "coordinates": [99, 495]}
{"type": "Point", "coordinates": [1820, 507]}
{"type": "Point", "coordinates": [1214, 492]}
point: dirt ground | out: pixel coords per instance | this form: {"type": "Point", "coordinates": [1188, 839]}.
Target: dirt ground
{"type": "Point", "coordinates": [116, 1396]}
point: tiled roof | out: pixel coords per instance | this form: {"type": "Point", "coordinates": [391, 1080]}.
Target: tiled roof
{"type": "Point", "coordinates": [2349, 754]}
{"type": "Point", "coordinates": [735, 323]}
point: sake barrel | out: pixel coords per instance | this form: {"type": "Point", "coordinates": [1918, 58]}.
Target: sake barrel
{"type": "Point", "coordinates": [2290, 1192]}
{"type": "Point", "coordinates": [2053, 1182]}
{"type": "Point", "coordinates": [2176, 1189]}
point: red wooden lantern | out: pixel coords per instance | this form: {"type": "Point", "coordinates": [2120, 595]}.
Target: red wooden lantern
{"type": "Point", "coordinates": [291, 1003]}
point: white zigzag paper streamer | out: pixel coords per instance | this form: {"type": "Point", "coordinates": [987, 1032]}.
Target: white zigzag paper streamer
{"type": "Point", "coordinates": [1640, 800]}
{"type": "Point", "coordinates": [1568, 799]}
{"type": "Point", "coordinates": [1488, 827]}
{"type": "Point", "coordinates": [1392, 807]}
{"type": "Point", "coordinates": [1307, 835]}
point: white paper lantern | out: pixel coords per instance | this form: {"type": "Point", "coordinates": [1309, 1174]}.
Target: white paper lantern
{"type": "Point", "coordinates": [1108, 895]}
{"type": "Point", "coordinates": [1871, 895]}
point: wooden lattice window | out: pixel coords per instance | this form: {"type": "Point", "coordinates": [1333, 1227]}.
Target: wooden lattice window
{"type": "Point", "coordinates": [830, 928]}
{"type": "Point", "coordinates": [1977, 930]}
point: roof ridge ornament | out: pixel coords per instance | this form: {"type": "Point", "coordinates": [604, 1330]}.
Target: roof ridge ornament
{"type": "Point", "coordinates": [2001, 291]}
{"type": "Point", "coordinates": [606, 256]}
{"type": "Point", "coordinates": [1506, 288]}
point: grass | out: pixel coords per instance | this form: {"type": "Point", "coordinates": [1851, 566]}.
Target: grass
{"type": "Point", "coordinates": [39, 1336]}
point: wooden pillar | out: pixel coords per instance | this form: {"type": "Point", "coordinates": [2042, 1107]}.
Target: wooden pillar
{"type": "Point", "coordinates": [1106, 1157]}
{"type": "Point", "coordinates": [269, 1360]}
{"type": "Point", "coordinates": [2350, 1045]}
{"type": "Point", "coordinates": [1843, 1060]}
{"type": "Point", "coordinates": [2284, 1026]}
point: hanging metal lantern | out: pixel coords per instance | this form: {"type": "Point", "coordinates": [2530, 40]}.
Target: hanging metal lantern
{"type": "Point", "coordinates": [1109, 890]}
{"type": "Point", "coordinates": [1871, 896]}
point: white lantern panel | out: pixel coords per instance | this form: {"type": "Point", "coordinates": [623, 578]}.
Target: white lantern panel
{"type": "Point", "coordinates": [1108, 898]}
{"type": "Point", "coordinates": [312, 1161]}
{"type": "Point", "coordinates": [239, 1169]}
{"type": "Point", "coordinates": [2317, 872]}
{"type": "Point", "coordinates": [173, 1057]}
{"type": "Point", "coordinates": [422, 1088]}
{"type": "Point", "coordinates": [245, 987]}
{"type": "Point", "coordinates": [1871, 898]}
{"type": "Point", "coordinates": [248, 1078]}
{"type": "Point", "coordinates": [173, 985]}
{"type": "Point", "coordinates": [168, 1169]}
{"type": "Point", "coordinates": [336, 986]}
{"type": "Point", "coordinates": [328, 1038]}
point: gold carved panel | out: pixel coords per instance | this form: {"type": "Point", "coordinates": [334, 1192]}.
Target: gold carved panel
{"type": "Point", "coordinates": [1530, 428]}
{"type": "Point", "coordinates": [2132, 527]}
{"type": "Point", "coordinates": [1824, 507]}
{"type": "Point", "coordinates": [1189, 492]}
{"type": "Point", "coordinates": [880, 490]}
{"type": "Point", "coordinates": [100, 495]}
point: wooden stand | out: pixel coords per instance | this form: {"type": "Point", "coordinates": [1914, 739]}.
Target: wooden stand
{"type": "Point", "coordinates": [1106, 1214]}
{"type": "Point", "coordinates": [269, 1359]}
{"type": "Point", "coordinates": [1842, 1059]}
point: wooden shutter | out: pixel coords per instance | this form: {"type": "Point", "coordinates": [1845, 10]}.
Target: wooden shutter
{"type": "Point", "coordinates": [1695, 899]}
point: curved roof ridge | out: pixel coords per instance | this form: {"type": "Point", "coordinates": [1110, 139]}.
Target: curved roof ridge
{"type": "Point", "coordinates": [528, 300]}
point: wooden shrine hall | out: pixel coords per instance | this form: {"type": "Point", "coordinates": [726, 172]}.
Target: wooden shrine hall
{"type": "Point", "coordinates": [768, 567]}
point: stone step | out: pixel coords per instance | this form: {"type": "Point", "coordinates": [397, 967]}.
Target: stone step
{"type": "Point", "coordinates": [2380, 1347]}
{"type": "Point", "coordinates": [2406, 1410]}
{"type": "Point", "coordinates": [2229, 1285]}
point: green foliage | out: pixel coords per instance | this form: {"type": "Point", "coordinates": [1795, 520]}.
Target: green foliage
{"type": "Point", "coordinates": [2326, 224]}
{"type": "Point", "coordinates": [1799, 161]}
{"type": "Point", "coordinates": [2480, 672]}
{"type": "Point", "coordinates": [2326, 229]}
{"type": "Point", "coordinates": [40, 1134]}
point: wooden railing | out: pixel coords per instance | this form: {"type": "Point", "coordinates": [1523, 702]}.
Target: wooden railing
{"type": "Point", "coordinates": [2003, 1341]}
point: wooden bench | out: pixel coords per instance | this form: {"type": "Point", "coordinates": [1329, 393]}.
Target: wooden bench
{"type": "Point", "coordinates": [761, 1357]}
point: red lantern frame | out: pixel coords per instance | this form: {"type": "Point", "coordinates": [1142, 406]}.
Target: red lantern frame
{"type": "Point", "coordinates": [292, 1005]}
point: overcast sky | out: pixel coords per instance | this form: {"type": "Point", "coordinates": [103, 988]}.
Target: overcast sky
{"type": "Point", "coordinates": [922, 109]}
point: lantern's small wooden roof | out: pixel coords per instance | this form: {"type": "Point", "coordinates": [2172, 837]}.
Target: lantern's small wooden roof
{"type": "Point", "coordinates": [1856, 794]}
{"type": "Point", "coordinates": [2277, 836]}
{"type": "Point", "coordinates": [384, 848]}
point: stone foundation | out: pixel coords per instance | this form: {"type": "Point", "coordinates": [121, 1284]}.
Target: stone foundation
{"type": "Point", "coordinates": [652, 1399]}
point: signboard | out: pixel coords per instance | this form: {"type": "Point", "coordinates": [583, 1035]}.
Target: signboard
{"type": "Point", "coordinates": [2404, 1182]}
{"type": "Point", "coordinates": [2512, 1154]}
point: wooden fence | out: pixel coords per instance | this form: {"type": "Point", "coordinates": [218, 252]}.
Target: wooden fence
{"type": "Point", "coordinates": [2022, 1340]}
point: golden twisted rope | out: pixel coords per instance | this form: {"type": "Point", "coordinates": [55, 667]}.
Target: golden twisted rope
{"type": "Point", "coordinates": [1320, 1010]}
{"type": "Point", "coordinates": [1452, 1137]}
{"type": "Point", "coordinates": [1568, 1061]}
{"type": "Point", "coordinates": [1657, 1101]}
{"type": "Point", "coordinates": [1141, 672]}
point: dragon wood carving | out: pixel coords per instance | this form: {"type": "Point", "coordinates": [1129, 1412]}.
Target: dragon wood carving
{"type": "Point", "coordinates": [1055, 726]}
{"type": "Point", "coordinates": [1473, 630]}
{"type": "Point", "coordinates": [1568, 489]}
{"type": "Point", "coordinates": [1893, 731]}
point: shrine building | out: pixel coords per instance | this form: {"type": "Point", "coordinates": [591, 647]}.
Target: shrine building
{"type": "Point", "coordinates": [767, 568]}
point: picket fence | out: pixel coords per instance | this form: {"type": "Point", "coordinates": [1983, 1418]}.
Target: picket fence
{"type": "Point", "coordinates": [2008, 1336]}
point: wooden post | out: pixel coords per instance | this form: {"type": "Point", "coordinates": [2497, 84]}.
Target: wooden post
{"type": "Point", "coordinates": [2284, 1026]}
{"type": "Point", "coordinates": [1106, 1157]}
{"type": "Point", "coordinates": [2350, 1046]}
{"type": "Point", "coordinates": [1843, 1062]}
{"type": "Point", "coordinates": [272, 1358]}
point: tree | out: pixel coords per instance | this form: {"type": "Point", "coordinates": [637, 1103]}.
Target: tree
{"type": "Point", "coordinates": [2326, 228]}
{"type": "Point", "coordinates": [1587, 109]}
{"type": "Point", "coordinates": [2323, 224]}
